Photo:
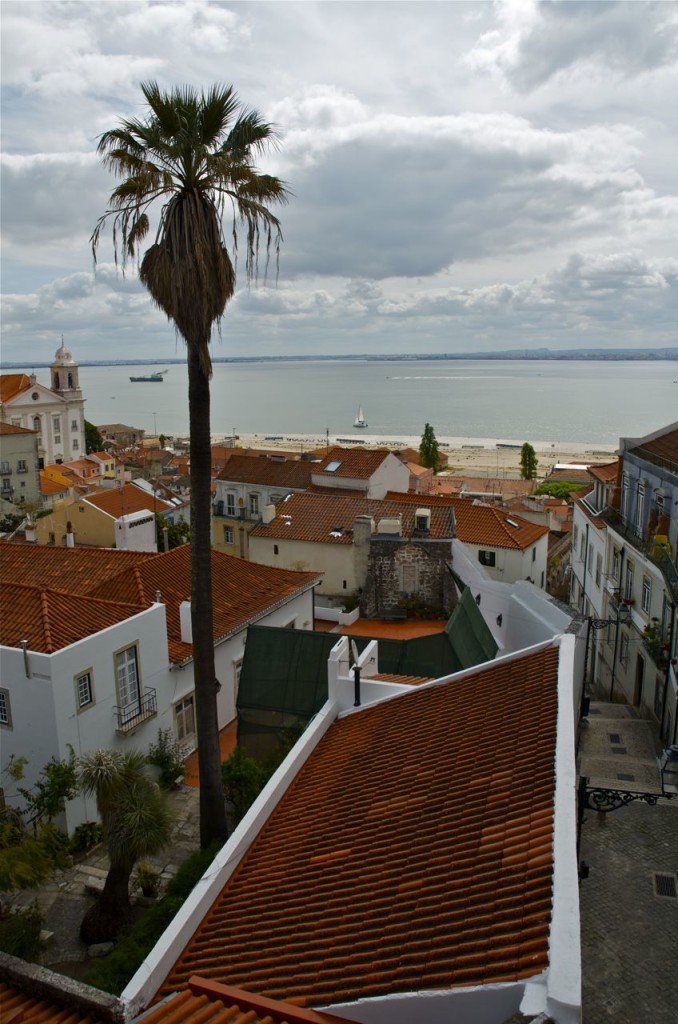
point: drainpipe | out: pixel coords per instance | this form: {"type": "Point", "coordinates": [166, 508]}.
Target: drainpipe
{"type": "Point", "coordinates": [27, 667]}
{"type": "Point", "coordinates": [616, 629]}
{"type": "Point", "coordinates": [583, 572]}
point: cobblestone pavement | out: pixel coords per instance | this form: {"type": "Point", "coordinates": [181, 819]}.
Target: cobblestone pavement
{"type": "Point", "coordinates": [628, 932]}
{"type": "Point", "coordinates": [65, 898]}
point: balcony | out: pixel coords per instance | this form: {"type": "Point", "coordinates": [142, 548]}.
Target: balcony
{"type": "Point", "coordinates": [131, 716]}
{"type": "Point", "coordinates": [654, 551]}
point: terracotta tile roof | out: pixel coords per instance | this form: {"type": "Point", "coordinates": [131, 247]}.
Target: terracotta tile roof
{"type": "Point", "coordinates": [245, 469]}
{"type": "Point", "coordinates": [607, 473]}
{"type": "Point", "coordinates": [206, 1002]}
{"type": "Point", "coordinates": [52, 619]}
{"type": "Point", "coordinates": [481, 524]}
{"type": "Point", "coordinates": [569, 476]}
{"type": "Point", "coordinates": [485, 485]}
{"type": "Point", "coordinates": [354, 463]}
{"type": "Point", "coordinates": [10, 428]}
{"type": "Point", "coordinates": [20, 1007]}
{"type": "Point", "coordinates": [11, 384]}
{"type": "Point", "coordinates": [75, 570]}
{"type": "Point", "coordinates": [241, 590]}
{"type": "Point", "coordinates": [48, 486]}
{"type": "Point", "coordinates": [413, 851]}
{"type": "Point", "coordinates": [329, 519]}
{"type": "Point", "coordinates": [123, 501]}
{"type": "Point", "coordinates": [663, 450]}
{"type": "Point", "coordinates": [404, 629]}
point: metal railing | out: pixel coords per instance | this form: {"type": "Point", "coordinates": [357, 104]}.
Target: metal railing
{"type": "Point", "coordinates": [131, 715]}
{"type": "Point", "coordinates": [656, 553]}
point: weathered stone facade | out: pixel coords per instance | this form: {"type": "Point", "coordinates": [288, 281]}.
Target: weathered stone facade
{"type": "Point", "coordinates": [407, 567]}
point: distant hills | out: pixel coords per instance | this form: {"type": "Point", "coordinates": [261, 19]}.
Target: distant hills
{"type": "Point", "coordinates": [531, 354]}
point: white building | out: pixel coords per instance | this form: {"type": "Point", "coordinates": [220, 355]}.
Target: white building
{"type": "Point", "coordinates": [98, 641]}
{"type": "Point", "coordinates": [55, 413]}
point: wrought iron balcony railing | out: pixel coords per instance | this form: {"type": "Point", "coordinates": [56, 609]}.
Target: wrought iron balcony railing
{"type": "Point", "coordinates": [131, 715]}
{"type": "Point", "coordinates": [655, 552]}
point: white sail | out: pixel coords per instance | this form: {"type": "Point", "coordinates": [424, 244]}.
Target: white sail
{"type": "Point", "coordinates": [360, 420]}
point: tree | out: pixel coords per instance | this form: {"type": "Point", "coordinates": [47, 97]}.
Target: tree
{"type": "Point", "coordinates": [429, 453]}
{"type": "Point", "coordinates": [528, 462]}
{"type": "Point", "coordinates": [195, 153]}
{"type": "Point", "coordinates": [177, 533]}
{"type": "Point", "coordinates": [94, 442]}
{"type": "Point", "coordinates": [137, 823]}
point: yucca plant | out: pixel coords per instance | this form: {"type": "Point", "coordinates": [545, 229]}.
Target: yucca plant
{"type": "Point", "coordinates": [136, 820]}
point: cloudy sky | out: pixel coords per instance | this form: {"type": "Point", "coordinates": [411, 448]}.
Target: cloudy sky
{"type": "Point", "coordinates": [466, 176]}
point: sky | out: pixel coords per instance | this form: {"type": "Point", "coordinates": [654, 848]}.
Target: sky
{"type": "Point", "coordinates": [466, 177]}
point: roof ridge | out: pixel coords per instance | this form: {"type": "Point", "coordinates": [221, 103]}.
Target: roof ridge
{"type": "Point", "coordinates": [44, 605]}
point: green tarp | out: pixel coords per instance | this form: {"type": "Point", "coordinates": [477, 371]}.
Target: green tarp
{"type": "Point", "coordinates": [283, 681]}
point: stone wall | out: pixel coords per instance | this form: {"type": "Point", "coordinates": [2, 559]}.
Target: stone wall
{"type": "Point", "coordinates": [407, 567]}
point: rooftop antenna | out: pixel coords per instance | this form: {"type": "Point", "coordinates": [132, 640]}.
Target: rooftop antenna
{"type": "Point", "coordinates": [356, 673]}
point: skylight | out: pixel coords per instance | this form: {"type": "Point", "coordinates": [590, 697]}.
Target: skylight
{"type": "Point", "coordinates": [332, 466]}
{"type": "Point", "coordinates": [513, 523]}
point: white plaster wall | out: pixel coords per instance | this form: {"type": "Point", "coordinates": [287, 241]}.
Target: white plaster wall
{"type": "Point", "coordinates": [335, 561]}
{"type": "Point", "coordinates": [486, 1004]}
{"type": "Point", "coordinates": [392, 475]}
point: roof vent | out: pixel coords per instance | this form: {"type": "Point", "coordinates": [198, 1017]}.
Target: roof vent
{"type": "Point", "coordinates": [391, 525]}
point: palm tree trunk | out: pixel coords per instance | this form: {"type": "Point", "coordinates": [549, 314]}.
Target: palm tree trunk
{"type": "Point", "coordinates": [212, 809]}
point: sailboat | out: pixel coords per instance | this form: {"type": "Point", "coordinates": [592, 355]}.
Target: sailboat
{"type": "Point", "coordinates": [360, 420]}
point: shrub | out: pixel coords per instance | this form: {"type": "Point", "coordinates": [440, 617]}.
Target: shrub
{"type": "Point", "coordinates": [85, 836]}
{"type": "Point", "coordinates": [167, 755]}
{"type": "Point", "coordinates": [20, 933]}
{"type": "Point", "coordinates": [243, 779]}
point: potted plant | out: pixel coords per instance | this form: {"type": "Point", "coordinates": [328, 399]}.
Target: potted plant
{"type": "Point", "coordinates": [147, 879]}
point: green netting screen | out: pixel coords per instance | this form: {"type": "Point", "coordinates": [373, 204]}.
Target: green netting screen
{"type": "Point", "coordinates": [283, 681]}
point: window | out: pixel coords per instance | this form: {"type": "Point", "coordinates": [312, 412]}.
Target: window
{"type": "Point", "coordinates": [582, 547]}
{"type": "Point", "coordinates": [74, 424]}
{"type": "Point", "coordinates": [21, 466]}
{"type": "Point", "coordinates": [75, 444]}
{"type": "Point", "coordinates": [615, 563]}
{"type": "Point", "coordinates": [487, 558]}
{"type": "Point", "coordinates": [184, 717]}
{"type": "Point", "coordinates": [127, 679]}
{"type": "Point", "coordinates": [624, 649]}
{"type": "Point", "coordinates": [5, 710]}
{"type": "Point", "coordinates": [56, 424]}
{"type": "Point", "coordinates": [84, 692]}
{"type": "Point", "coordinates": [647, 593]}
{"type": "Point", "coordinates": [228, 535]}
{"type": "Point", "coordinates": [589, 561]}
{"type": "Point", "coordinates": [254, 504]}
{"type": "Point", "coordinates": [57, 438]}
{"type": "Point", "coordinates": [628, 585]}
{"type": "Point", "coordinates": [599, 568]}
{"type": "Point", "coordinates": [230, 504]}
{"type": "Point", "coordinates": [575, 537]}
{"type": "Point", "coordinates": [640, 509]}
{"type": "Point", "coordinates": [16, 421]}
{"type": "Point", "coordinates": [625, 496]}
{"type": "Point", "coordinates": [534, 554]}
{"type": "Point", "coordinates": [275, 549]}
{"type": "Point", "coordinates": [237, 672]}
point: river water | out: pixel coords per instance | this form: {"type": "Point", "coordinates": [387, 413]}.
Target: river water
{"type": "Point", "coordinates": [557, 401]}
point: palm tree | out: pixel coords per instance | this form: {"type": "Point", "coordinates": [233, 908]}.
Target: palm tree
{"type": "Point", "coordinates": [136, 822]}
{"type": "Point", "coordinates": [195, 154]}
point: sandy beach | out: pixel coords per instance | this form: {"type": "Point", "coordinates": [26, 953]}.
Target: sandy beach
{"type": "Point", "coordinates": [468, 456]}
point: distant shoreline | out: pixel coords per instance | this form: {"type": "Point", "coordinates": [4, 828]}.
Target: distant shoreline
{"type": "Point", "coordinates": [537, 355]}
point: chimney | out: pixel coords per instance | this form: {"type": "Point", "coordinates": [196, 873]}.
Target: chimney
{"type": "Point", "coordinates": [29, 532]}
{"type": "Point", "coordinates": [185, 622]}
{"type": "Point", "coordinates": [269, 514]}
{"type": "Point", "coordinates": [70, 539]}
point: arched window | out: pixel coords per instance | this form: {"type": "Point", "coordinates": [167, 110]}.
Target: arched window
{"type": "Point", "coordinates": [36, 423]}
{"type": "Point", "coordinates": [70, 380]}
{"type": "Point", "coordinates": [56, 381]}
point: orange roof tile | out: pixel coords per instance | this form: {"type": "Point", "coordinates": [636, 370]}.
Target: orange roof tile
{"type": "Point", "coordinates": [52, 619]}
{"type": "Point", "coordinates": [389, 866]}
{"type": "Point", "coordinates": [11, 384]}
{"type": "Point", "coordinates": [207, 1002]}
{"type": "Point", "coordinates": [245, 469]}
{"type": "Point", "coordinates": [241, 590]}
{"type": "Point", "coordinates": [123, 501]}
{"type": "Point", "coordinates": [18, 1006]}
{"type": "Point", "coordinates": [48, 486]}
{"type": "Point", "coordinates": [662, 450]}
{"type": "Point", "coordinates": [328, 519]}
{"type": "Point", "coordinates": [10, 428]}
{"type": "Point", "coordinates": [606, 473]}
{"type": "Point", "coordinates": [481, 524]}
{"type": "Point", "coordinates": [354, 463]}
